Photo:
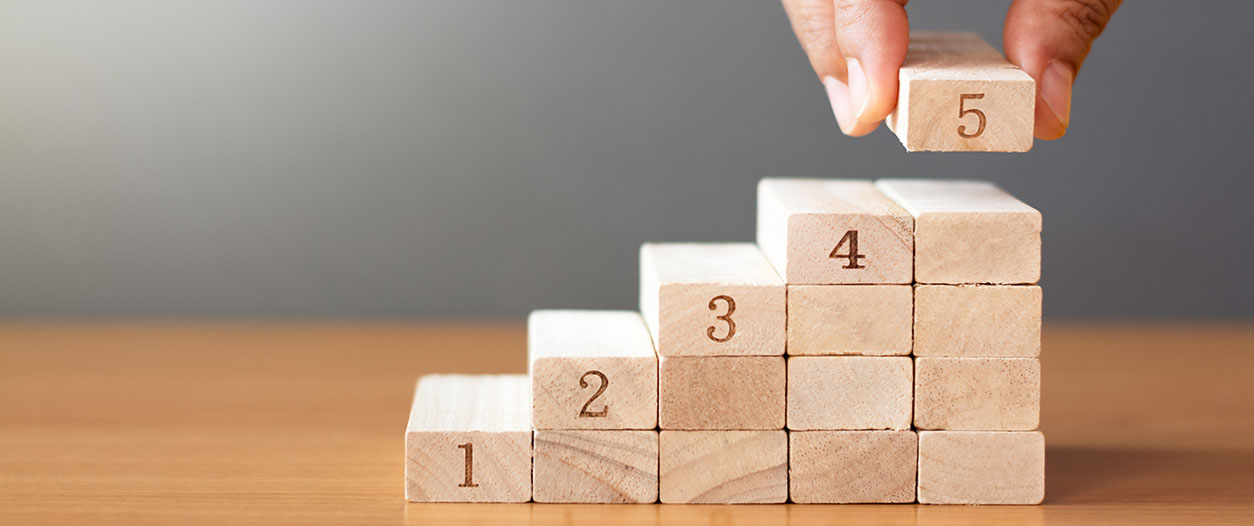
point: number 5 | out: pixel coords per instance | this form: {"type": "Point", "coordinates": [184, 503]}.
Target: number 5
{"type": "Point", "coordinates": [963, 111]}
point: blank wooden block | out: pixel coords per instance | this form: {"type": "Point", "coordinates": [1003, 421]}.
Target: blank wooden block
{"type": "Point", "coordinates": [981, 467]}
{"type": "Point", "coordinates": [849, 392]}
{"type": "Point", "coordinates": [724, 467]}
{"type": "Point", "coordinates": [958, 94]}
{"type": "Point", "coordinates": [825, 232]}
{"type": "Point", "coordinates": [969, 232]}
{"type": "Point", "coordinates": [711, 299]}
{"type": "Point", "coordinates": [977, 320]}
{"type": "Point", "coordinates": [871, 320]}
{"type": "Point", "coordinates": [844, 467]}
{"type": "Point", "coordinates": [596, 466]}
{"type": "Point", "coordinates": [978, 394]}
{"type": "Point", "coordinates": [721, 392]}
{"type": "Point", "coordinates": [469, 440]}
{"type": "Point", "coordinates": [591, 370]}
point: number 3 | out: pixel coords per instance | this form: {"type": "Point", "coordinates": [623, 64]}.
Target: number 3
{"type": "Point", "coordinates": [731, 325]}
{"type": "Point", "coordinates": [963, 111]}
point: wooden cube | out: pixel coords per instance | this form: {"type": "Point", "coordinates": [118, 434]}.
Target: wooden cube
{"type": "Point", "coordinates": [840, 467]}
{"type": "Point", "coordinates": [977, 394]}
{"type": "Point", "coordinates": [591, 370]}
{"type": "Point", "coordinates": [958, 94]}
{"type": "Point", "coordinates": [871, 320]}
{"type": "Point", "coordinates": [469, 440]}
{"type": "Point", "coordinates": [712, 299]}
{"type": "Point", "coordinates": [826, 232]}
{"type": "Point", "coordinates": [969, 232]}
{"type": "Point", "coordinates": [849, 392]}
{"type": "Point", "coordinates": [981, 467]}
{"type": "Point", "coordinates": [596, 466]}
{"type": "Point", "coordinates": [724, 467]}
{"type": "Point", "coordinates": [977, 320]}
{"type": "Point", "coordinates": [721, 392]}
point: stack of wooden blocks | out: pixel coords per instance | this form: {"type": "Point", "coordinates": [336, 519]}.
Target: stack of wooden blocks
{"type": "Point", "coordinates": [879, 344]}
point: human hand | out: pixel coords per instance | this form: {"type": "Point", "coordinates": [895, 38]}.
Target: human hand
{"type": "Point", "coordinates": [857, 47]}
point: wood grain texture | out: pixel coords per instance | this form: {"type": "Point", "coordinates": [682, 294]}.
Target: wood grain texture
{"type": "Point", "coordinates": [977, 394]}
{"type": "Point", "coordinates": [850, 392]}
{"type": "Point", "coordinates": [870, 320]}
{"type": "Point", "coordinates": [839, 467]}
{"type": "Point", "coordinates": [469, 440]}
{"type": "Point", "coordinates": [724, 467]}
{"type": "Point", "coordinates": [802, 221]}
{"type": "Point", "coordinates": [596, 466]}
{"type": "Point", "coordinates": [712, 299]}
{"type": "Point", "coordinates": [981, 467]}
{"type": "Point", "coordinates": [721, 392]}
{"type": "Point", "coordinates": [573, 354]}
{"type": "Point", "coordinates": [969, 232]}
{"type": "Point", "coordinates": [977, 320]}
{"type": "Point", "coordinates": [948, 75]}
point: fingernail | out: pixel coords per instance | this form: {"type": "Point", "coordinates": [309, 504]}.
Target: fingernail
{"type": "Point", "coordinates": [1056, 90]}
{"type": "Point", "coordinates": [838, 94]}
{"type": "Point", "coordinates": [859, 94]}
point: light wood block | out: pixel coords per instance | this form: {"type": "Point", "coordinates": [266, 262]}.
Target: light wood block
{"type": "Point", "coordinates": [981, 467]}
{"type": "Point", "coordinates": [712, 299]}
{"type": "Point", "coordinates": [845, 467]}
{"type": "Point", "coordinates": [977, 320]}
{"type": "Point", "coordinates": [870, 320]}
{"type": "Point", "coordinates": [469, 440]}
{"type": "Point", "coordinates": [850, 392]}
{"type": "Point", "coordinates": [958, 94]}
{"type": "Point", "coordinates": [969, 232]}
{"type": "Point", "coordinates": [808, 229]}
{"type": "Point", "coordinates": [724, 467]}
{"type": "Point", "coordinates": [977, 394]}
{"type": "Point", "coordinates": [596, 466]}
{"type": "Point", "coordinates": [721, 392]}
{"type": "Point", "coordinates": [591, 370]}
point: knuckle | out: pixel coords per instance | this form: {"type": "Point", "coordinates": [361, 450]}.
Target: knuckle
{"type": "Point", "coordinates": [1087, 18]}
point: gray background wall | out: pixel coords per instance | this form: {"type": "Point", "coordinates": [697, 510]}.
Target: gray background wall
{"type": "Point", "coordinates": [455, 159]}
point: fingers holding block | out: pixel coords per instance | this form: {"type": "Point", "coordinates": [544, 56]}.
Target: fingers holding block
{"type": "Point", "coordinates": [870, 320]}
{"type": "Point", "coordinates": [845, 467]}
{"type": "Point", "coordinates": [1002, 394]}
{"type": "Point", "coordinates": [721, 392]}
{"type": "Point", "coordinates": [977, 320]}
{"type": "Point", "coordinates": [724, 467]}
{"type": "Point", "coordinates": [596, 466]}
{"type": "Point", "coordinates": [849, 392]}
{"type": "Point", "coordinates": [981, 467]}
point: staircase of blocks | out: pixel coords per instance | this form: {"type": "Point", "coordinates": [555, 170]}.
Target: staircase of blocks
{"type": "Point", "coordinates": [879, 343]}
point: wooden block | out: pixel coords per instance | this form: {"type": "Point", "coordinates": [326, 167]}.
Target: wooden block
{"type": "Point", "coordinates": [977, 394]}
{"type": "Point", "coordinates": [977, 320]}
{"type": "Point", "coordinates": [596, 466]}
{"type": "Point", "coordinates": [825, 232]}
{"type": "Point", "coordinates": [850, 392]}
{"type": "Point", "coordinates": [981, 467]}
{"type": "Point", "coordinates": [712, 299]}
{"type": "Point", "coordinates": [969, 232]}
{"type": "Point", "coordinates": [724, 467]}
{"type": "Point", "coordinates": [469, 439]}
{"type": "Point", "coordinates": [958, 94]}
{"type": "Point", "coordinates": [721, 392]}
{"type": "Point", "coordinates": [845, 467]}
{"type": "Point", "coordinates": [591, 370]}
{"type": "Point", "coordinates": [871, 320]}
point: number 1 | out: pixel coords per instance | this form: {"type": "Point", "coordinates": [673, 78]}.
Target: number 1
{"type": "Point", "coordinates": [470, 463]}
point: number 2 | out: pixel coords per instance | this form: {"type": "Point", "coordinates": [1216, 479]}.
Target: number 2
{"type": "Point", "coordinates": [470, 465]}
{"type": "Point", "coordinates": [851, 237]}
{"type": "Point", "coordinates": [726, 317]}
{"type": "Point", "coordinates": [963, 111]}
{"type": "Point", "coordinates": [605, 382]}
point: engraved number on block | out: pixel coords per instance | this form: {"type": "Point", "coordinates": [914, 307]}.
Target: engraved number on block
{"type": "Point", "coordinates": [583, 383]}
{"type": "Point", "coordinates": [470, 466]}
{"type": "Point", "coordinates": [963, 112]}
{"type": "Point", "coordinates": [851, 237]}
{"type": "Point", "coordinates": [726, 318]}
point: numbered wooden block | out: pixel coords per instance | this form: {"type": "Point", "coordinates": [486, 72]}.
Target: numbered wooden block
{"type": "Point", "coordinates": [969, 232]}
{"type": "Point", "coordinates": [596, 466]}
{"type": "Point", "coordinates": [469, 440]}
{"type": "Point", "coordinates": [958, 94]}
{"type": "Point", "coordinates": [591, 370]}
{"type": "Point", "coordinates": [721, 392]}
{"type": "Point", "coordinates": [711, 299]}
{"type": "Point", "coordinates": [846, 467]}
{"type": "Point", "coordinates": [977, 320]}
{"type": "Point", "coordinates": [978, 394]}
{"type": "Point", "coordinates": [825, 232]}
{"type": "Point", "coordinates": [981, 467]}
{"type": "Point", "coordinates": [871, 320]}
{"type": "Point", "coordinates": [849, 392]}
{"type": "Point", "coordinates": [724, 467]}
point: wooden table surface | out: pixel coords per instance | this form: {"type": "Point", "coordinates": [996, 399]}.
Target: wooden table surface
{"type": "Point", "coordinates": [303, 424]}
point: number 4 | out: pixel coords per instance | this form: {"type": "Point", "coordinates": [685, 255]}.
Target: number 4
{"type": "Point", "coordinates": [851, 237]}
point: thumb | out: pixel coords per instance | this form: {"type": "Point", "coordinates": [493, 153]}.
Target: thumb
{"type": "Point", "coordinates": [1049, 40]}
{"type": "Point", "coordinates": [872, 36]}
